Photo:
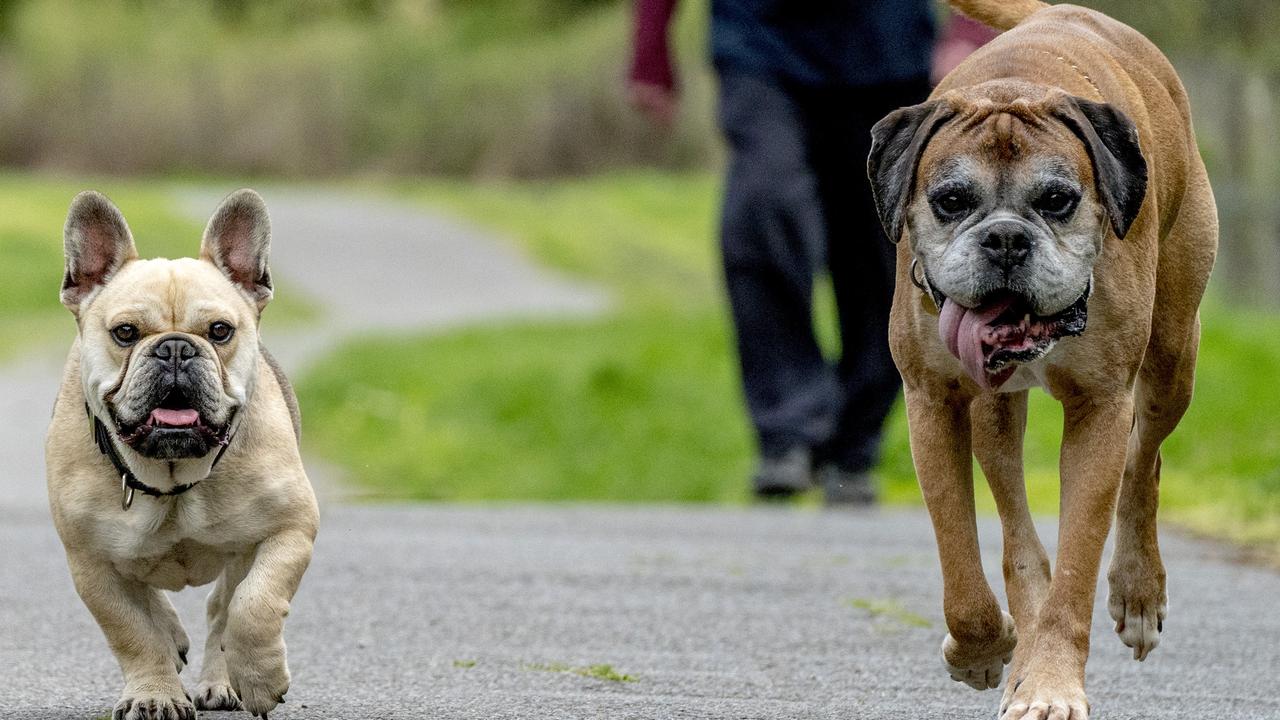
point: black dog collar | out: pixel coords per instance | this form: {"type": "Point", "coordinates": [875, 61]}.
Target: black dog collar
{"type": "Point", "coordinates": [128, 481]}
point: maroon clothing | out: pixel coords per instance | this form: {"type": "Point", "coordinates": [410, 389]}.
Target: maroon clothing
{"type": "Point", "coordinates": [651, 62]}
{"type": "Point", "coordinates": [962, 29]}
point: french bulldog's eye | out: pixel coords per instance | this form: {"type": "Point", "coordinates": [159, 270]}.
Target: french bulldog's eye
{"type": "Point", "coordinates": [951, 206]}
{"type": "Point", "coordinates": [125, 334]}
{"type": "Point", "coordinates": [221, 332]}
{"type": "Point", "coordinates": [1056, 203]}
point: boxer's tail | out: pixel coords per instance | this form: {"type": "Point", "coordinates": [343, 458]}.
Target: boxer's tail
{"type": "Point", "coordinates": [999, 14]}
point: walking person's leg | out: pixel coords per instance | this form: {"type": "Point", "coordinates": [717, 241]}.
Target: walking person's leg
{"type": "Point", "coordinates": [861, 263]}
{"type": "Point", "coordinates": [772, 239]}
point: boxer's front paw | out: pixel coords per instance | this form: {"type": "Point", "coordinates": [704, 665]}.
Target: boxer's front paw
{"type": "Point", "coordinates": [259, 675]}
{"type": "Point", "coordinates": [1137, 601]}
{"type": "Point", "coordinates": [1044, 693]}
{"type": "Point", "coordinates": [980, 665]}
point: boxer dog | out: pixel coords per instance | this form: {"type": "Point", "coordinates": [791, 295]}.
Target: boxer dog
{"type": "Point", "coordinates": [1056, 230]}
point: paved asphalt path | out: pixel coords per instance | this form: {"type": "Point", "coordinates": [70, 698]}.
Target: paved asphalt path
{"type": "Point", "coordinates": [486, 612]}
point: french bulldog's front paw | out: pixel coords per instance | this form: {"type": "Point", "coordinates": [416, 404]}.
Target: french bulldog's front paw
{"type": "Point", "coordinates": [1137, 602]}
{"type": "Point", "coordinates": [152, 705]}
{"type": "Point", "coordinates": [259, 677]}
{"type": "Point", "coordinates": [980, 665]}
{"type": "Point", "coordinates": [216, 696]}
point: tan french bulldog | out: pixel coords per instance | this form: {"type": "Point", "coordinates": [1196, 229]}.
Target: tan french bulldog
{"type": "Point", "coordinates": [173, 459]}
{"type": "Point", "coordinates": [1057, 230]}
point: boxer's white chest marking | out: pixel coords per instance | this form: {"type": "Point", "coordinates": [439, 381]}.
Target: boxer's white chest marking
{"type": "Point", "coordinates": [1028, 375]}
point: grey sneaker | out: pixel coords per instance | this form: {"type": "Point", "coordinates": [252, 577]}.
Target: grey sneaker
{"type": "Point", "coordinates": [846, 488]}
{"type": "Point", "coordinates": [778, 478]}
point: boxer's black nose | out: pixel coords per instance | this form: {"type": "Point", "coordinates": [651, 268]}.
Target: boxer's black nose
{"type": "Point", "coordinates": [1006, 244]}
{"type": "Point", "coordinates": [175, 349]}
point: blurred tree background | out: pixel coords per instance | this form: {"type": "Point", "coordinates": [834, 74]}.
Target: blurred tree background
{"type": "Point", "coordinates": [496, 88]}
{"type": "Point", "coordinates": [499, 89]}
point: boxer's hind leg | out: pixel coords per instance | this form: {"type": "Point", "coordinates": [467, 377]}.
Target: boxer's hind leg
{"type": "Point", "coordinates": [981, 637]}
{"type": "Point", "coordinates": [1138, 601]}
{"type": "Point", "coordinates": [999, 422]}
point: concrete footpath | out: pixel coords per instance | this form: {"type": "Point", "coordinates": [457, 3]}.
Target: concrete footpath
{"type": "Point", "coordinates": [492, 612]}
{"type": "Point", "coordinates": [564, 612]}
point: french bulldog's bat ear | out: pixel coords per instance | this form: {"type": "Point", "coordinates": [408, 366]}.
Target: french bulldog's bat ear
{"type": "Point", "coordinates": [237, 241]}
{"type": "Point", "coordinates": [96, 241]}
{"type": "Point", "coordinates": [897, 142]}
{"type": "Point", "coordinates": [1119, 169]}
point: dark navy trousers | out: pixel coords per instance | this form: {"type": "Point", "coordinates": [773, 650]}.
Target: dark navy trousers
{"type": "Point", "coordinates": [797, 202]}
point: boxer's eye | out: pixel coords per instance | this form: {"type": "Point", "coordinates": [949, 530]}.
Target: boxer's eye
{"type": "Point", "coordinates": [952, 205]}
{"type": "Point", "coordinates": [125, 334]}
{"type": "Point", "coordinates": [221, 332]}
{"type": "Point", "coordinates": [1056, 204]}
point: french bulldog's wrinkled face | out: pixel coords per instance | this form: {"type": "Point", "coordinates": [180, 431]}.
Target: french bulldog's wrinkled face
{"type": "Point", "coordinates": [1006, 194]}
{"type": "Point", "coordinates": [169, 348]}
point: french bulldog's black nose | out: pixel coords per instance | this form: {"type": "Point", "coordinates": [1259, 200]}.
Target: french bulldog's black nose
{"type": "Point", "coordinates": [1006, 244]}
{"type": "Point", "coordinates": [175, 349]}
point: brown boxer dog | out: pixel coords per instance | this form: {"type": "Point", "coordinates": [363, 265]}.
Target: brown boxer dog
{"type": "Point", "coordinates": [1059, 231]}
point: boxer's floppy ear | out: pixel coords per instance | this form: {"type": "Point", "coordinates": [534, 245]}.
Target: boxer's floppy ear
{"type": "Point", "coordinates": [96, 241]}
{"type": "Point", "coordinates": [237, 241]}
{"type": "Point", "coordinates": [897, 142]}
{"type": "Point", "coordinates": [1118, 166]}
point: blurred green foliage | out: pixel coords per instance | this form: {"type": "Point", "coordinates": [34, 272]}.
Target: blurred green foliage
{"type": "Point", "coordinates": [645, 404]}
{"type": "Point", "coordinates": [1234, 30]}
{"type": "Point", "coordinates": [311, 87]}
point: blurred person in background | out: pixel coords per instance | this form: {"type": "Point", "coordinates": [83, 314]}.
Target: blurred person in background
{"type": "Point", "coordinates": [801, 84]}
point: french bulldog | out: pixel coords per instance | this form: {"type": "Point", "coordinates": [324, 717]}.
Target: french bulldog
{"type": "Point", "coordinates": [173, 459]}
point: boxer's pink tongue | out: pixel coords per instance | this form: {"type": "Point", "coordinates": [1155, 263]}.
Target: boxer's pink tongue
{"type": "Point", "coordinates": [174, 418]}
{"type": "Point", "coordinates": [962, 329]}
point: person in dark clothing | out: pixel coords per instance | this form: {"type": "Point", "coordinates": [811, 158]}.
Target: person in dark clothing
{"type": "Point", "coordinates": [801, 84]}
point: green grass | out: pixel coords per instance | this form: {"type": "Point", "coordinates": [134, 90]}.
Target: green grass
{"type": "Point", "coordinates": [32, 211]}
{"type": "Point", "coordinates": [598, 672]}
{"type": "Point", "coordinates": [644, 404]}
{"type": "Point", "coordinates": [636, 407]}
{"type": "Point", "coordinates": [889, 609]}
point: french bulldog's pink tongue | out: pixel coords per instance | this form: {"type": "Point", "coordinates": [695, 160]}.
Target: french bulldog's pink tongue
{"type": "Point", "coordinates": [174, 418]}
{"type": "Point", "coordinates": [961, 330]}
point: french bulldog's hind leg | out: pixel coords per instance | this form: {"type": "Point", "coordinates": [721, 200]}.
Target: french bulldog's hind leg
{"type": "Point", "coordinates": [214, 689]}
{"type": "Point", "coordinates": [162, 610]}
{"type": "Point", "coordinates": [142, 642]}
